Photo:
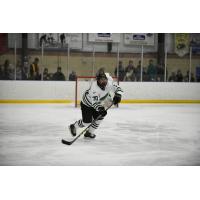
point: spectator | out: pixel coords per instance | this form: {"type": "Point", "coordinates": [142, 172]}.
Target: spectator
{"type": "Point", "coordinates": [160, 72]}
{"type": "Point", "coordinates": [34, 70]}
{"type": "Point", "coordinates": [130, 72]}
{"type": "Point", "coordinates": [46, 75]}
{"type": "Point", "coordinates": [1, 73]}
{"type": "Point", "coordinates": [11, 72]}
{"type": "Point", "coordinates": [151, 71]}
{"type": "Point", "coordinates": [138, 71]}
{"type": "Point", "coordinates": [51, 76]}
{"type": "Point", "coordinates": [179, 76]}
{"type": "Point", "coordinates": [192, 79]}
{"type": "Point", "coordinates": [25, 75]}
{"type": "Point", "coordinates": [72, 76]}
{"type": "Point", "coordinates": [144, 74]}
{"type": "Point", "coordinates": [172, 78]}
{"type": "Point", "coordinates": [198, 73]}
{"type": "Point", "coordinates": [186, 78]}
{"type": "Point", "coordinates": [59, 76]}
{"type": "Point", "coordinates": [129, 76]}
{"type": "Point", "coordinates": [6, 70]}
{"type": "Point", "coordinates": [18, 70]}
{"type": "Point", "coordinates": [121, 71]}
{"type": "Point", "coordinates": [25, 69]}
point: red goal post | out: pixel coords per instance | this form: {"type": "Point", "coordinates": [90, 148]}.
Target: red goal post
{"type": "Point", "coordinates": [81, 87]}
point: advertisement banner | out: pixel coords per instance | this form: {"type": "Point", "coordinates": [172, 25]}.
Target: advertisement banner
{"type": "Point", "coordinates": [75, 40]}
{"type": "Point", "coordinates": [146, 39]}
{"type": "Point", "coordinates": [48, 40]}
{"type": "Point", "coordinates": [195, 42]}
{"type": "Point", "coordinates": [60, 40]}
{"type": "Point", "coordinates": [181, 44]}
{"type": "Point", "coordinates": [104, 37]}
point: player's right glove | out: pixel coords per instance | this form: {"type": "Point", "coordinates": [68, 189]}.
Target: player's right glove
{"type": "Point", "coordinates": [102, 111]}
{"type": "Point", "coordinates": [117, 98]}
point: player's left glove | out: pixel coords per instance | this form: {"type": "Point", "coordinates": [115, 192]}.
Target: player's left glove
{"type": "Point", "coordinates": [117, 98]}
{"type": "Point", "coordinates": [102, 111]}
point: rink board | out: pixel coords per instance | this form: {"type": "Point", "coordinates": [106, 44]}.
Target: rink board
{"type": "Point", "coordinates": [64, 92]}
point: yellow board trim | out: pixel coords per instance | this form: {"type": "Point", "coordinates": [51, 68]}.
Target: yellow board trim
{"type": "Point", "coordinates": [128, 101]}
{"type": "Point", "coordinates": [35, 101]}
{"type": "Point", "coordinates": [159, 101]}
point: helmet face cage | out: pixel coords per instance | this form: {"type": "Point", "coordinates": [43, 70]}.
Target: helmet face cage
{"type": "Point", "coordinates": [102, 80]}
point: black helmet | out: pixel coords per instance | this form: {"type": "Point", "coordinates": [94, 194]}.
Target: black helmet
{"type": "Point", "coordinates": [101, 79]}
{"type": "Point", "coordinates": [100, 74]}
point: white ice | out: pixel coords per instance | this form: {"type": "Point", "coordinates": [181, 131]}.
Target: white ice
{"type": "Point", "coordinates": [134, 134]}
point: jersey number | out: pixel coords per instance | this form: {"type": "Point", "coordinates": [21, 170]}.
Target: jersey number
{"type": "Point", "coordinates": [95, 98]}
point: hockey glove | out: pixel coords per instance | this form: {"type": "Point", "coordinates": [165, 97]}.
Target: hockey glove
{"type": "Point", "coordinates": [102, 111]}
{"type": "Point", "coordinates": [117, 98]}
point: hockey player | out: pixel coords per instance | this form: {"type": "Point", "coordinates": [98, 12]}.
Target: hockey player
{"type": "Point", "coordinates": [92, 103]}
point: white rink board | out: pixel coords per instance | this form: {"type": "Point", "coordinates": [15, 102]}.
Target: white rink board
{"type": "Point", "coordinates": [65, 90]}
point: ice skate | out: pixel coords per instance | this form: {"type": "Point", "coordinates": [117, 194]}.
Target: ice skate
{"type": "Point", "coordinates": [89, 135]}
{"type": "Point", "coordinates": [72, 129]}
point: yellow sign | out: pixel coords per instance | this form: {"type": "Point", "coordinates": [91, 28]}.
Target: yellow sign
{"type": "Point", "coordinates": [181, 44]}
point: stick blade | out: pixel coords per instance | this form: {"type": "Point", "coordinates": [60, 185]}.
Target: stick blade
{"type": "Point", "coordinates": [66, 142]}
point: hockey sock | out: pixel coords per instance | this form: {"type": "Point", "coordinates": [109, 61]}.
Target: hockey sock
{"type": "Point", "coordinates": [81, 124]}
{"type": "Point", "coordinates": [94, 126]}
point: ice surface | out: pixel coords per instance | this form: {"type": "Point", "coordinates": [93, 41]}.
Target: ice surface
{"type": "Point", "coordinates": [133, 134]}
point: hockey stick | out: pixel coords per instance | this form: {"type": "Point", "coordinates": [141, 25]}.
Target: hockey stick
{"type": "Point", "coordinates": [71, 142]}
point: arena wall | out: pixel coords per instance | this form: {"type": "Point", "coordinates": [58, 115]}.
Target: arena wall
{"type": "Point", "coordinates": [64, 92]}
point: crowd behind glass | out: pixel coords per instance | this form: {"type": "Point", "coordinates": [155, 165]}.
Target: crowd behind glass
{"type": "Point", "coordinates": [124, 71]}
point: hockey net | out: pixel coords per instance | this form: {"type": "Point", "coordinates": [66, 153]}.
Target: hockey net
{"type": "Point", "coordinates": [82, 84]}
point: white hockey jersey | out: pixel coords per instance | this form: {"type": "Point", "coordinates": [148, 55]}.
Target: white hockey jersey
{"type": "Point", "coordinates": [96, 97]}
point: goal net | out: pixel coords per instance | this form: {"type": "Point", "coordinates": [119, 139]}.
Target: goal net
{"type": "Point", "coordinates": [82, 84]}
